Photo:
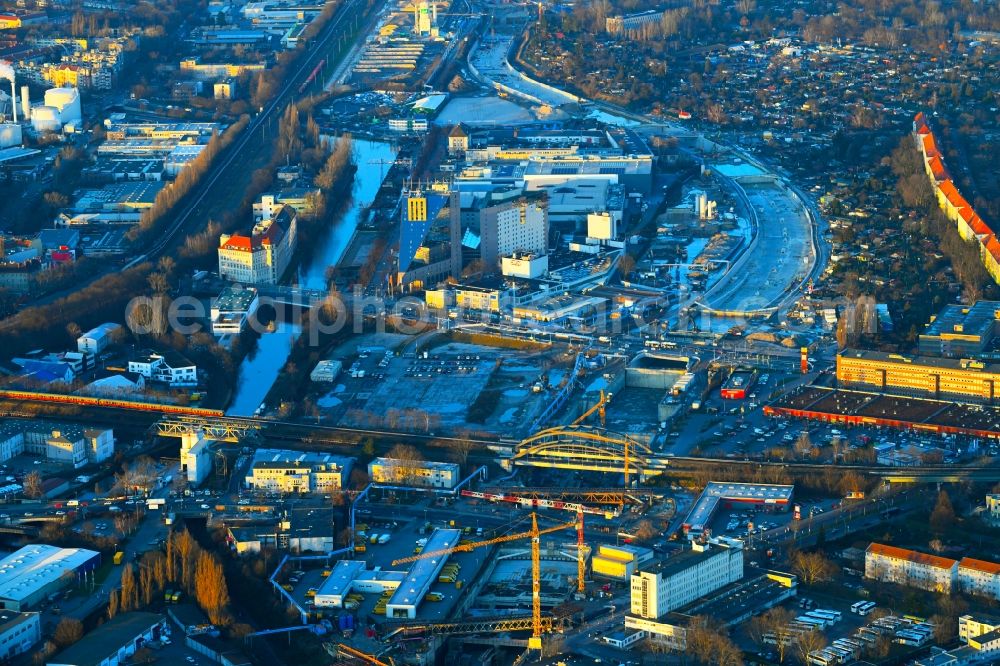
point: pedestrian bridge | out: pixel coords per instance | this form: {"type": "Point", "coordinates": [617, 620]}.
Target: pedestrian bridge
{"type": "Point", "coordinates": [587, 448]}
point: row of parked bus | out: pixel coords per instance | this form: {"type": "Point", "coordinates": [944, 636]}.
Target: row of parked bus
{"type": "Point", "coordinates": [911, 631]}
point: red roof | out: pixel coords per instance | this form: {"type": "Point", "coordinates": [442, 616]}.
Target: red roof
{"type": "Point", "coordinates": [937, 168]}
{"type": "Point", "coordinates": [930, 146]}
{"type": "Point", "coordinates": [980, 565]}
{"type": "Point", "coordinates": [978, 226]}
{"type": "Point", "coordinates": [911, 556]}
{"type": "Point", "coordinates": [919, 118]}
{"type": "Point", "coordinates": [237, 242]}
{"type": "Point", "coordinates": [993, 247]}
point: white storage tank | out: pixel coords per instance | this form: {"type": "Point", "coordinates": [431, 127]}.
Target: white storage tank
{"type": "Point", "coordinates": [46, 118]}
{"type": "Point", "coordinates": [10, 135]}
{"type": "Point", "coordinates": [67, 102]}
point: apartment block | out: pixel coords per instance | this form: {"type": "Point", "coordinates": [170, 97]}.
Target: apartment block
{"type": "Point", "coordinates": [909, 567]}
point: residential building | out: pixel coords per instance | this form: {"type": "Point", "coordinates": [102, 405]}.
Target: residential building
{"type": "Point", "coordinates": [679, 580]}
{"type": "Point", "coordinates": [18, 632]}
{"type": "Point", "coordinates": [33, 572]}
{"type": "Point", "coordinates": [981, 632]}
{"type": "Point", "coordinates": [264, 255]}
{"type": "Point", "coordinates": [922, 376]}
{"type": "Point", "coordinates": [59, 442]}
{"type": "Point", "coordinates": [278, 470]}
{"type": "Point", "coordinates": [909, 567]}
{"type": "Point", "coordinates": [114, 642]}
{"type": "Point", "coordinates": [414, 473]}
{"type": "Point", "coordinates": [993, 508]}
{"type": "Point", "coordinates": [232, 309]}
{"type": "Point", "coordinates": [617, 25]}
{"type": "Point", "coordinates": [223, 70]}
{"type": "Point", "coordinates": [979, 577]}
{"type": "Point", "coordinates": [168, 367]}
{"type": "Point", "coordinates": [458, 140]}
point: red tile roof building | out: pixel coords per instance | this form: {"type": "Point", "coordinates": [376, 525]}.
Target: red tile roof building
{"type": "Point", "coordinates": [955, 206]}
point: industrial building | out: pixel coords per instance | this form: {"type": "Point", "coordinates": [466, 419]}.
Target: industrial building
{"type": "Point", "coordinates": [666, 586]}
{"type": "Point", "coordinates": [414, 473]}
{"type": "Point", "coordinates": [99, 338]}
{"type": "Point", "coordinates": [619, 562]}
{"type": "Point", "coordinates": [774, 497]}
{"type": "Point", "coordinates": [326, 370]}
{"type": "Point", "coordinates": [18, 632]}
{"type": "Point", "coordinates": [232, 309]}
{"type": "Point", "coordinates": [430, 239]}
{"type": "Point", "coordinates": [961, 331]}
{"type": "Point", "coordinates": [196, 457]}
{"type": "Point", "coordinates": [921, 376]}
{"type": "Point", "coordinates": [33, 572]}
{"type": "Point", "coordinates": [279, 470]}
{"type": "Point", "coordinates": [114, 642]}
{"type": "Point", "coordinates": [424, 572]}
{"type": "Point", "coordinates": [264, 255]}
{"type": "Point", "coordinates": [299, 530]}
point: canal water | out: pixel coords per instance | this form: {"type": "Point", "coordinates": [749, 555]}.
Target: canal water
{"type": "Point", "coordinates": [260, 368]}
{"type": "Point", "coordinates": [369, 156]}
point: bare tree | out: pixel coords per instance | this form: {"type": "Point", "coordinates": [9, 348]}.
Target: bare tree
{"type": "Point", "coordinates": [33, 485]}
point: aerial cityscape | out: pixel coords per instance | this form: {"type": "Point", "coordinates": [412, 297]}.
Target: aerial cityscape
{"type": "Point", "coordinates": [497, 332]}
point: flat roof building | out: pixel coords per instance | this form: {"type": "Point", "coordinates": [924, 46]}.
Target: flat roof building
{"type": "Point", "coordinates": [424, 473]}
{"type": "Point", "coordinates": [406, 598]}
{"type": "Point", "coordinates": [30, 574]}
{"type": "Point", "coordinates": [716, 492]}
{"type": "Point", "coordinates": [961, 330]}
{"type": "Point", "coordinates": [921, 376]}
{"type": "Point", "coordinates": [333, 591]}
{"type": "Point", "coordinates": [18, 632]}
{"type": "Point", "coordinates": [287, 471]}
{"type": "Point", "coordinates": [112, 643]}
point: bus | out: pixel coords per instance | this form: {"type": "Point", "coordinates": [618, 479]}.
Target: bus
{"type": "Point", "coordinates": [865, 608]}
{"type": "Point", "coordinates": [912, 638]}
{"type": "Point", "coordinates": [823, 658]}
{"type": "Point", "coordinates": [827, 621]}
{"type": "Point", "coordinates": [818, 623]}
{"type": "Point", "coordinates": [833, 616]}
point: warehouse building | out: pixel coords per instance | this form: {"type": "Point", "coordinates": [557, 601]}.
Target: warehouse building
{"type": "Point", "coordinates": [404, 601]}
{"type": "Point", "coordinates": [619, 562]}
{"type": "Point", "coordinates": [99, 338]}
{"type": "Point", "coordinates": [32, 573]}
{"type": "Point", "coordinates": [921, 376]}
{"type": "Point", "coordinates": [114, 642]}
{"type": "Point", "coordinates": [334, 590]}
{"type": "Point", "coordinates": [18, 632]}
{"type": "Point", "coordinates": [422, 473]}
{"type": "Point", "coordinates": [776, 497]}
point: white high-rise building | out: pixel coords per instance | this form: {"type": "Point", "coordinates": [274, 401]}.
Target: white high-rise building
{"type": "Point", "coordinates": [683, 578]}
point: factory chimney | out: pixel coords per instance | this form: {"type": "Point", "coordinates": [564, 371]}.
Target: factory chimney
{"type": "Point", "coordinates": [25, 103]}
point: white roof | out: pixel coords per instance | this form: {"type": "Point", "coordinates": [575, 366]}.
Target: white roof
{"type": "Point", "coordinates": [424, 572]}
{"type": "Point", "coordinates": [33, 567]}
{"type": "Point", "coordinates": [341, 576]}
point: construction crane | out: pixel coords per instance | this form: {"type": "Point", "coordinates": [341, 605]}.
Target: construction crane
{"type": "Point", "coordinates": [348, 651]}
{"type": "Point", "coordinates": [535, 534]}
{"type": "Point", "coordinates": [579, 509]}
{"type": "Point", "coordinates": [599, 408]}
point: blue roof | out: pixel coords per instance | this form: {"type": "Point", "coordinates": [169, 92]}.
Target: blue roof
{"type": "Point", "coordinates": [412, 234]}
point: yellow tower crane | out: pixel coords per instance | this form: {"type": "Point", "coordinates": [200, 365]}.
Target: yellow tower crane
{"type": "Point", "coordinates": [535, 535]}
{"type": "Point", "coordinates": [600, 408]}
